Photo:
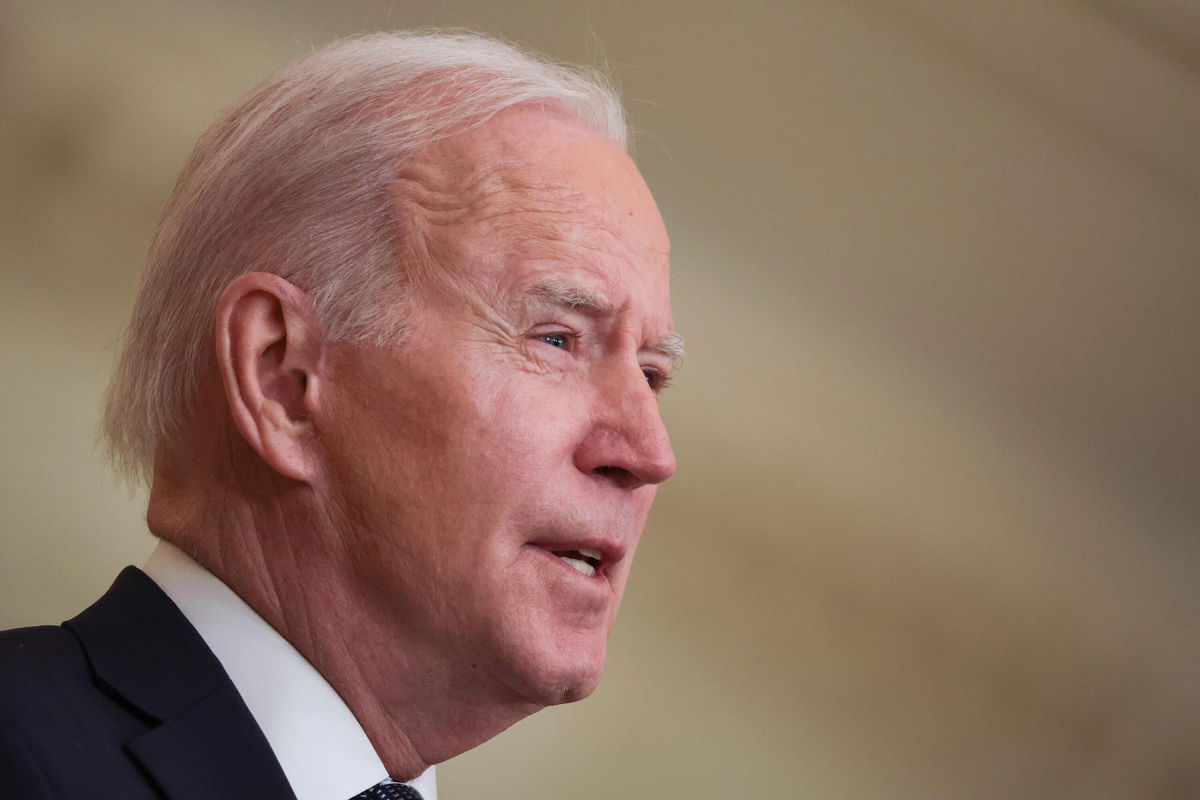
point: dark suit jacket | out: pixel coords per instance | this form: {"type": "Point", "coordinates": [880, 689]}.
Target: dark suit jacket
{"type": "Point", "coordinates": [126, 701]}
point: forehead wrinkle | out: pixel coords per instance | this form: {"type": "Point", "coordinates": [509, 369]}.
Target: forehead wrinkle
{"type": "Point", "coordinates": [447, 184]}
{"type": "Point", "coordinates": [464, 213]}
{"type": "Point", "coordinates": [500, 192]}
{"type": "Point", "coordinates": [436, 194]}
{"type": "Point", "coordinates": [436, 199]}
{"type": "Point", "coordinates": [580, 244]}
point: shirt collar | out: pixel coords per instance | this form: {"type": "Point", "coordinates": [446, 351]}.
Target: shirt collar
{"type": "Point", "coordinates": [320, 745]}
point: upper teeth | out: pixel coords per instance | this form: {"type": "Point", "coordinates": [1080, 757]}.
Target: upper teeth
{"type": "Point", "coordinates": [580, 564]}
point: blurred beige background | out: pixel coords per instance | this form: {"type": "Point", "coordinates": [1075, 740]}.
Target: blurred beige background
{"type": "Point", "coordinates": [934, 533]}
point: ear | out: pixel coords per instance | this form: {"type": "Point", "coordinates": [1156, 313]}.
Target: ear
{"type": "Point", "coordinates": [269, 351]}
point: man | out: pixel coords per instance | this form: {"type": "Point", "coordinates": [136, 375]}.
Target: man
{"type": "Point", "coordinates": [392, 376]}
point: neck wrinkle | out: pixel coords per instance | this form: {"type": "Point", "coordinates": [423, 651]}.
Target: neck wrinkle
{"type": "Point", "coordinates": [279, 549]}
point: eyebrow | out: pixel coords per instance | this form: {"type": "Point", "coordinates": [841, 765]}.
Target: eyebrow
{"type": "Point", "coordinates": [672, 347]}
{"type": "Point", "coordinates": [572, 295]}
{"type": "Point", "coordinates": [577, 297]}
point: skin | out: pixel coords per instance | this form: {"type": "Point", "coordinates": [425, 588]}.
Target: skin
{"type": "Point", "coordinates": [393, 512]}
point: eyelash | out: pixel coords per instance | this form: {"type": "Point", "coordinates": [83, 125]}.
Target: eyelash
{"type": "Point", "coordinates": [657, 380]}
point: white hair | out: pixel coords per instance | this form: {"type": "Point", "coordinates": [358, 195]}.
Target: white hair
{"type": "Point", "coordinates": [296, 181]}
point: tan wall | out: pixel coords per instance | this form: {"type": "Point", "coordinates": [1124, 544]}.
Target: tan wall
{"type": "Point", "coordinates": [935, 528]}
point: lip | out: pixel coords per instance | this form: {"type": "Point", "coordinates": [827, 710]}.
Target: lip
{"type": "Point", "coordinates": [611, 553]}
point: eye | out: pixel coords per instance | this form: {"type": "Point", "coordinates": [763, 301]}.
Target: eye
{"type": "Point", "coordinates": [558, 340]}
{"type": "Point", "coordinates": [656, 379]}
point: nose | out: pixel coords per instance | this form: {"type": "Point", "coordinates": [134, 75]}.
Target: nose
{"type": "Point", "coordinates": [627, 442]}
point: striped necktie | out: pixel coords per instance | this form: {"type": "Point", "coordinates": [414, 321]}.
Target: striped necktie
{"type": "Point", "coordinates": [389, 790]}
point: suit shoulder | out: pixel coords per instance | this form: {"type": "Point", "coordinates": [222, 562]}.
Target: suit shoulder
{"type": "Point", "coordinates": [35, 663]}
{"type": "Point", "coordinates": [30, 652]}
{"type": "Point", "coordinates": [37, 667]}
{"type": "Point", "coordinates": [58, 726]}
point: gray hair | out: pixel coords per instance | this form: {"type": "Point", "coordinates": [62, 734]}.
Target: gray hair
{"type": "Point", "coordinates": [295, 181]}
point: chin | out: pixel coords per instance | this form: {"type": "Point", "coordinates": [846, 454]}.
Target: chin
{"type": "Point", "coordinates": [576, 688]}
{"type": "Point", "coordinates": [554, 682]}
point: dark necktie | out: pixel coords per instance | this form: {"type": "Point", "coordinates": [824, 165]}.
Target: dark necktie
{"type": "Point", "coordinates": [389, 791]}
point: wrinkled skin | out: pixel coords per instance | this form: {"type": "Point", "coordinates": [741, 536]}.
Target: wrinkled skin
{"type": "Point", "coordinates": [394, 511]}
{"type": "Point", "coordinates": [509, 418]}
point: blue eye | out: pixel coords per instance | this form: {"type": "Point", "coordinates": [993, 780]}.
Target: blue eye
{"type": "Point", "coordinates": [558, 340]}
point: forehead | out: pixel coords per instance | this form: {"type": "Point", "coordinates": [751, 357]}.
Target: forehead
{"type": "Point", "coordinates": [533, 189]}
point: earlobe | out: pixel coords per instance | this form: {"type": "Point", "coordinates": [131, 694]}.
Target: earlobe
{"type": "Point", "coordinates": [269, 348]}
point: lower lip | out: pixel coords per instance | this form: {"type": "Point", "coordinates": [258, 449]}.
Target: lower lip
{"type": "Point", "coordinates": [598, 578]}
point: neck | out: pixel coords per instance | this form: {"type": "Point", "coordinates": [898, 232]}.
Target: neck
{"type": "Point", "coordinates": [273, 545]}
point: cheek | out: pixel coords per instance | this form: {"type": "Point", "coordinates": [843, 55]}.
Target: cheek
{"type": "Point", "coordinates": [527, 425]}
{"type": "Point", "coordinates": [466, 447]}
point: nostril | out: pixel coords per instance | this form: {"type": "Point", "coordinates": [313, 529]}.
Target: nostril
{"type": "Point", "coordinates": [618, 474]}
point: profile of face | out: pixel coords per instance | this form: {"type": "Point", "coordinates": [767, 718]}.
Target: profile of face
{"type": "Point", "coordinates": [493, 473]}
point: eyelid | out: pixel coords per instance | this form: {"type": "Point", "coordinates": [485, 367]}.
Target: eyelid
{"type": "Point", "coordinates": [661, 377]}
{"type": "Point", "coordinates": [658, 375]}
{"type": "Point", "coordinates": [541, 332]}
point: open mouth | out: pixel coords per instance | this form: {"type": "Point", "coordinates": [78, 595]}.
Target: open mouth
{"type": "Point", "coordinates": [584, 560]}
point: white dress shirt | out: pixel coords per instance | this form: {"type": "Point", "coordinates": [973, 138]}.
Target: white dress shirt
{"type": "Point", "coordinates": [320, 745]}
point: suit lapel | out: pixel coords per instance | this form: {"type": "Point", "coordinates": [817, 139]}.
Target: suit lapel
{"type": "Point", "coordinates": [198, 754]}
{"type": "Point", "coordinates": [202, 741]}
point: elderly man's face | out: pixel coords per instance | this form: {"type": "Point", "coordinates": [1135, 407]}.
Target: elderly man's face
{"type": "Point", "coordinates": [495, 471]}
